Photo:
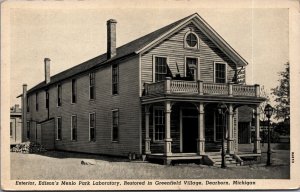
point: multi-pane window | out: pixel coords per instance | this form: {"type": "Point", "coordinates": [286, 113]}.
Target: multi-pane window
{"type": "Point", "coordinates": [74, 90]}
{"type": "Point", "coordinates": [161, 68]}
{"type": "Point", "coordinates": [220, 73]}
{"type": "Point", "coordinates": [28, 130]}
{"type": "Point", "coordinates": [159, 124]}
{"type": "Point", "coordinates": [58, 128]}
{"type": "Point", "coordinates": [115, 125]}
{"type": "Point", "coordinates": [74, 127]}
{"type": "Point", "coordinates": [220, 126]}
{"type": "Point", "coordinates": [92, 125]}
{"type": "Point", "coordinates": [191, 68]}
{"type": "Point", "coordinates": [92, 85]}
{"type": "Point", "coordinates": [191, 40]}
{"type": "Point", "coordinates": [59, 99]}
{"type": "Point", "coordinates": [47, 99]}
{"type": "Point", "coordinates": [37, 101]}
{"type": "Point", "coordinates": [115, 79]}
{"type": "Point", "coordinates": [28, 104]}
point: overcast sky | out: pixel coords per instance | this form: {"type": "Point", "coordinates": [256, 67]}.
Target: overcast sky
{"type": "Point", "coordinates": [73, 35]}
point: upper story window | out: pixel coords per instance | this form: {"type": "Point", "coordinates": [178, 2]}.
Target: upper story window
{"type": "Point", "coordinates": [115, 79]}
{"type": "Point", "coordinates": [47, 99]}
{"type": "Point", "coordinates": [28, 104]}
{"type": "Point", "coordinates": [115, 125]}
{"type": "Point", "coordinates": [37, 101]}
{"type": "Point", "coordinates": [191, 40]}
{"type": "Point", "coordinates": [161, 68]}
{"type": "Point", "coordinates": [92, 85]}
{"type": "Point", "coordinates": [191, 68]}
{"type": "Point", "coordinates": [220, 73]}
{"type": "Point", "coordinates": [74, 91]}
{"type": "Point", "coordinates": [59, 99]}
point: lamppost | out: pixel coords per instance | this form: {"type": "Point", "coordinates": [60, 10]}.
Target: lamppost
{"type": "Point", "coordinates": [269, 111]}
{"type": "Point", "coordinates": [222, 109]}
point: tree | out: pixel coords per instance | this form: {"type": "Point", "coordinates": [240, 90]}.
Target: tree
{"type": "Point", "coordinates": [282, 95]}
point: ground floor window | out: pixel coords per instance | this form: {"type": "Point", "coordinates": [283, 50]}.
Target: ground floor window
{"type": "Point", "coordinates": [58, 128]}
{"type": "Point", "coordinates": [11, 127]}
{"type": "Point", "coordinates": [219, 126]}
{"type": "Point", "coordinates": [73, 127]}
{"type": "Point", "coordinates": [159, 124]}
{"type": "Point", "coordinates": [92, 126]}
{"type": "Point", "coordinates": [28, 129]}
{"type": "Point", "coordinates": [115, 125]}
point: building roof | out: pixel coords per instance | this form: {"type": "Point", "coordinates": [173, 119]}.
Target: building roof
{"type": "Point", "coordinates": [137, 46]}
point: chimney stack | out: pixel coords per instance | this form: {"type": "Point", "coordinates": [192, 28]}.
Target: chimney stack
{"type": "Point", "coordinates": [47, 70]}
{"type": "Point", "coordinates": [111, 38]}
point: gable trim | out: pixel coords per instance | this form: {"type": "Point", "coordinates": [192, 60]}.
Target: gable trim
{"type": "Point", "coordinates": [208, 31]}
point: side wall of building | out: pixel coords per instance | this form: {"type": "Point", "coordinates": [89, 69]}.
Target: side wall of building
{"type": "Point", "coordinates": [127, 102]}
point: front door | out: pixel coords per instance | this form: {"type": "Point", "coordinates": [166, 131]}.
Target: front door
{"type": "Point", "coordinates": [189, 134]}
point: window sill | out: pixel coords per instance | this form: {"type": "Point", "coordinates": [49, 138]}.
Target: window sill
{"type": "Point", "coordinates": [58, 139]}
{"type": "Point", "coordinates": [115, 141]}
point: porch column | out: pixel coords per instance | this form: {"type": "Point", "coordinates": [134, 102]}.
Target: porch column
{"type": "Point", "coordinates": [257, 138]}
{"type": "Point", "coordinates": [147, 138]}
{"type": "Point", "coordinates": [201, 138]}
{"type": "Point", "coordinates": [168, 140]}
{"type": "Point", "coordinates": [230, 139]}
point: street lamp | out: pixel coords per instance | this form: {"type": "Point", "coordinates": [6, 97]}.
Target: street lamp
{"type": "Point", "coordinates": [268, 112]}
{"type": "Point", "coordinates": [222, 109]}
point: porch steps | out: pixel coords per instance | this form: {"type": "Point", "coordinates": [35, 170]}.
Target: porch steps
{"type": "Point", "coordinates": [215, 147]}
{"type": "Point", "coordinates": [216, 158]}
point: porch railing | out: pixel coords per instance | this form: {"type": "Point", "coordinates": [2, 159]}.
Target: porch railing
{"type": "Point", "coordinates": [199, 87]}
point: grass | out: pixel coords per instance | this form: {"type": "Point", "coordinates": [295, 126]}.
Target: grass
{"type": "Point", "coordinates": [67, 165]}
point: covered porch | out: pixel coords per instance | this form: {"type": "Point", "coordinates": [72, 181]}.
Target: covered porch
{"type": "Point", "coordinates": [188, 127]}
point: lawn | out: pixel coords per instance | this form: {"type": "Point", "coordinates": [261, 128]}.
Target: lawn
{"type": "Point", "coordinates": [66, 165]}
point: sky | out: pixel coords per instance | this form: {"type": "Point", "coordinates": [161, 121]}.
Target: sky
{"type": "Point", "coordinates": [70, 35]}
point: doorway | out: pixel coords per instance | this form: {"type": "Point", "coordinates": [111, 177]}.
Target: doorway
{"type": "Point", "coordinates": [189, 130]}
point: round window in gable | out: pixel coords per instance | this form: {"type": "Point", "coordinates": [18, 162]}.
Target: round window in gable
{"type": "Point", "coordinates": [191, 40]}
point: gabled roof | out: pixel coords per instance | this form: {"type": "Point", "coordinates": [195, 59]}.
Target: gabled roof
{"type": "Point", "coordinates": [140, 45]}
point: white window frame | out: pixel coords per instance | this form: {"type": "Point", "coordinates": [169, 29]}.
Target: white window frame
{"type": "Point", "coordinates": [220, 62]}
{"type": "Point", "coordinates": [153, 65]}
{"type": "Point", "coordinates": [198, 65]}
{"type": "Point", "coordinates": [158, 108]}
{"type": "Point", "coordinates": [72, 128]}
{"type": "Point", "coordinates": [185, 44]}
{"type": "Point", "coordinates": [57, 128]}
{"type": "Point", "coordinates": [112, 126]}
{"type": "Point", "coordinates": [75, 82]}
{"type": "Point", "coordinates": [93, 127]}
{"type": "Point", "coordinates": [92, 86]}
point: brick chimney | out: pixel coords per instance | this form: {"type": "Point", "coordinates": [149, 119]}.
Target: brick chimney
{"type": "Point", "coordinates": [47, 70]}
{"type": "Point", "coordinates": [111, 38]}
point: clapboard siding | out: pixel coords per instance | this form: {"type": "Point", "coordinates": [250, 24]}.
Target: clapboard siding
{"type": "Point", "coordinates": [127, 101]}
{"type": "Point", "coordinates": [173, 48]}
